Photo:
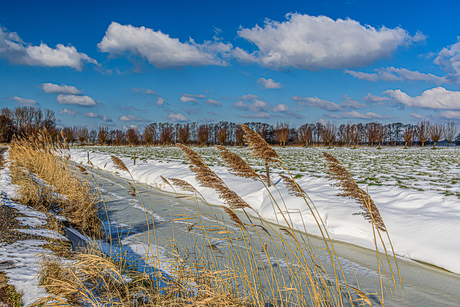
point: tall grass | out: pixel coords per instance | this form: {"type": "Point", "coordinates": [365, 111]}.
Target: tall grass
{"type": "Point", "coordinates": [215, 260]}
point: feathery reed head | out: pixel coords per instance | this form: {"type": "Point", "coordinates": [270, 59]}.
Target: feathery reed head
{"type": "Point", "coordinates": [183, 185]}
{"type": "Point", "coordinates": [350, 189]}
{"type": "Point", "coordinates": [236, 164]}
{"type": "Point", "coordinates": [259, 146]}
{"type": "Point", "coordinates": [233, 216]}
{"type": "Point", "coordinates": [82, 169]}
{"type": "Point", "coordinates": [118, 163]}
{"type": "Point", "coordinates": [293, 188]}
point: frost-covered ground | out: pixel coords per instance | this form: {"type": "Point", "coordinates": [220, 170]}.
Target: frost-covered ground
{"type": "Point", "coordinates": [20, 260]}
{"type": "Point", "coordinates": [416, 191]}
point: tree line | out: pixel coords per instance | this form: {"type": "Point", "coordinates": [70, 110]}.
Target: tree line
{"type": "Point", "coordinates": [28, 120]}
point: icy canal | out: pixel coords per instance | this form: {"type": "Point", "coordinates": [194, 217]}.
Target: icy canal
{"type": "Point", "coordinates": [156, 222]}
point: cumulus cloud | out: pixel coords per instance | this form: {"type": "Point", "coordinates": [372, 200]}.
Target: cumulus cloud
{"type": "Point", "coordinates": [95, 115]}
{"type": "Point", "coordinates": [212, 102]}
{"type": "Point", "coordinates": [248, 97]}
{"type": "Point", "coordinates": [449, 61]}
{"type": "Point", "coordinates": [16, 51]}
{"type": "Point", "coordinates": [416, 116]}
{"type": "Point", "coordinates": [392, 74]}
{"type": "Point", "coordinates": [144, 91]}
{"type": "Point", "coordinates": [194, 96]}
{"type": "Point", "coordinates": [349, 102]}
{"type": "Point", "coordinates": [129, 126]}
{"type": "Point", "coordinates": [160, 102]}
{"type": "Point", "coordinates": [84, 101]}
{"type": "Point", "coordinates": [436, 98]}
{"type": "Point", "coordinates": [281, 108]}
{"type": "Point", "coordinates": [127, 118]}
{"type": "Point", "coordinates": [317, 103]}
{"type": "Point", "coordinates": [26, 102]}
{"type": "Point", "coordinates": [449, 115]}
{"type": "Point", "coordinates": [372, 99]}
{"type": "Point", "coordinates": [269, 83]}
{"type": "Point", "coordinates": [68, 112]}
{"type": "Point", "coordinates": [354, 114]}
{"type": "Point", "coordinates": [188, 99]}
{"type": "Point", "coordinates": [311, 43]}
{"type": "Point", "coordinates": [51, 88]}
{"type": "Point", "coordinates": [255, 106]}
{"type": "Point", "coordinates": [160, 49]}
{"type": "Point", "coordinates": [177, 117]}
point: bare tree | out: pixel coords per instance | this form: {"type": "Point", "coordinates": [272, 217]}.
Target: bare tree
{"type": "Point", "coordinates": [282, 133]}
{"type": "Point", "coordinates": [82, 134]}
{"type": "Point", "coordinates": [450, 130]}
{"type": "Point", "coordinates": [382, 134]}
{"type": "Point", "coordinates": [239, 135]}
{"type": "Point", "coordinates": [436, 133]}
{"type": "Point", "coordinates": [184, 134]}
{"type": "Point", "coordinates": [354, 134]}
{"type": "Point", "coordinates": [150, 133]}
{"type": "Point", "coordinates": [329, 133]}
{"type": "Point", "coordinates": [132, 136]}
{"type": "Point", "coordinates": [93, 136]}
{"type": "Point", "coordinates": [103, 134]}
{"type": "Point", "coordinates": [423, 131]}
{"type": "Point", "coordinates": [305, 134]}
{"type": "Point", "coordinates": [203, 134]}
{"type": "Point", "coordinates": [372, 130]}
{"type": "Point", "coordinates": [222, 135]}
{"type": "Point", "coordinates": [166, 134]}
{"type": "Point", "coordinates": [407, 135]}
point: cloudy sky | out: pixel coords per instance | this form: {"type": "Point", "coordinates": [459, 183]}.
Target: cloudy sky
{"type": "Point", "coordinates": [121, 63]}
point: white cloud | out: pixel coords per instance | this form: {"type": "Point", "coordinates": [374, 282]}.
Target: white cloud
{"type": "Point", "coordinates": [68, 112]}
{"type": "Point", "coordinates": [144, 91]}
{"type": "Point", "coordinates": [127, 118]}
{"type": "Point", "coordinates": [349, 102]}
{"type": "Point", "coordinates": [17, 51]}
{"type": "Point", "coordinates": [244, 56]}
{"type": "Point", "coordinates": [255, 106]}
{"type": "Point", "coordinates": [177, 117]}
{"type": "Point", "coordinates": [160, 49]}
{"type": "Point", "coordinates": [24, 101]}
{"type": "Point", "coordinates": [51, 88]}
{"type": "Point", "coordinates": [269, 83]}
{"type": "Point", "coordinates": [84, 101]}
{"type": "Point", "coordinates": [257, 115]}
{"type": "Point", "coordinates": [368, 115]}
{"type": "Point", "coordinates": [449, 61]}
{"type": "Point", "coordinates": [308, 42]}
{"type": "Point", "coordinates": [281, 108]}
{"type": "Point", "coordinates": [436, 98]}
{"type": "Point", "coordinates": [129, 126]}
{"type": "Point", "coordinates": [188, 99]}
{"type": "Point", "coordinates": [392, 74]}
{"type": "Point", "coordinates": [190, 111]}
{"type": "Point", "coordinates": [160, 102]}
{"type": "Point", "coordinates": [212, 102]}
{"type": "Point", "coordinates": [450, 115]}
{"type": "Point", "coordinates": [371, 99]}
{"type": "Point", "coordinates": [317, 103]}
{"type": "Point", "coordinates": [417, 116]}
{"type": "Point", "coordinates": [248, 97]}
{"type": "Point", "coordinates": [95, 115]}
{"type": "Point", "coordinates": [194, 96]}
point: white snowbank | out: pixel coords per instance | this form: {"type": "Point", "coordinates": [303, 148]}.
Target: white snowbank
{"type": "Point", "coordinates": [422, 224]}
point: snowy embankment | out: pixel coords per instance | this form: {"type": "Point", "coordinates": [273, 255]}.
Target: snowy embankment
{"type": "Point", "coordinates": [423, 225]}
{"type": "Point", "coordinates": [21, 259]}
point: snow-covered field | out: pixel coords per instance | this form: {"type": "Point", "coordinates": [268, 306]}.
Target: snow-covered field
{"type": "Point", "coordinates": [416, 190]}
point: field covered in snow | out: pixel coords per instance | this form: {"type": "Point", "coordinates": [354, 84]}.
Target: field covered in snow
{"type": "Point", "coordinates": [413, 168]}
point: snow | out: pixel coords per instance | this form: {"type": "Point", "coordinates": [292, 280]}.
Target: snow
{"type": "Point", "coordinates": [47, 233]}
{"type": "Point", "coordinates": [20, 260]}
{"type": "Point", "coordinates": [422, 224]}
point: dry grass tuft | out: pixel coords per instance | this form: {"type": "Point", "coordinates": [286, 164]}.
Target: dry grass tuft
{"type": "Point", "coordinates": [292, 187]}
{"type": "Point", "coordinates": [350, 189]}
{"type": "Point", "coordinates": [119, 164]}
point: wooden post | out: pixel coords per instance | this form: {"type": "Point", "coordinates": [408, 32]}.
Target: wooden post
{"type": "Point", "coordinates": [88, 155]}
{"type": "Point", "coordinates": [268, 173]}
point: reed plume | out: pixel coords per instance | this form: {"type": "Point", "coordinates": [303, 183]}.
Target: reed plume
{"type": "Point", "coordinates": [119, 164]}
{"type": "Point", "coordinates": [350, 189]}
{"type": "Point", "coordinates": [233, 216]}
{"type": "Point", "coordinates": [293, 188]}
{"type": "Point", "coordinates": [207, 178]}
{"type": "Point", "coordinates": [259, 146]}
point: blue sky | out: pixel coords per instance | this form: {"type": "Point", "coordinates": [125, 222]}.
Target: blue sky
{"type": "Point", "coordinates": [122, 63]}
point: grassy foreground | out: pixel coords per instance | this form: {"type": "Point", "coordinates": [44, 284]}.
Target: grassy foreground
{"type": "Point", "coordinates": [228, 274]}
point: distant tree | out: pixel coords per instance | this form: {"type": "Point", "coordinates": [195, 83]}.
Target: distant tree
{"type": "Point", "coordinates": [82, 135]}
{"type": "Point", "coordinates": [203, 134]}
{"type": "Point", "coordinates": [407, 135]}
{"type": "Point", "coordinates": [372, 130]}
{"type": "Point", "coordinates": [166, 134]}
{"type": "Point", "coordinates": [382, 134]}
{"type": "Point", "coordinates": [103, 135]}
{"type": "Point", "coordinates": [150, 133]}
{"type": "Point", "coordinates": [329, 133]}
{"type": "Point", "coordinates": [305, 134]}
{"type": "Point", "coordinates": [423, 131]}
{"type": "Point", "coordinates": [239, 135]}
{"type": "Point", "coordinates": [132, 136]}
{"type": "Point", "coordinates": [93, 136]}
{"type": "Point", "coordinates": [119, 137]}
{"type": "Point", "coordinates": [436, 133]}
{"type": "Point", "coordinates": [450, 132]}
{"type": "Point", "coordinates": [222, 135]}
{"type": "Point", "coordinates": [7, 127]}
{"type": "Point", "coordinates": [282, 133]}
{"type": "Point", "coordinates": [184, 134]}
{"type": "Point", "coordinates": [70, 134]}
{"type": "Point", "coordinates": [354, 134]}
